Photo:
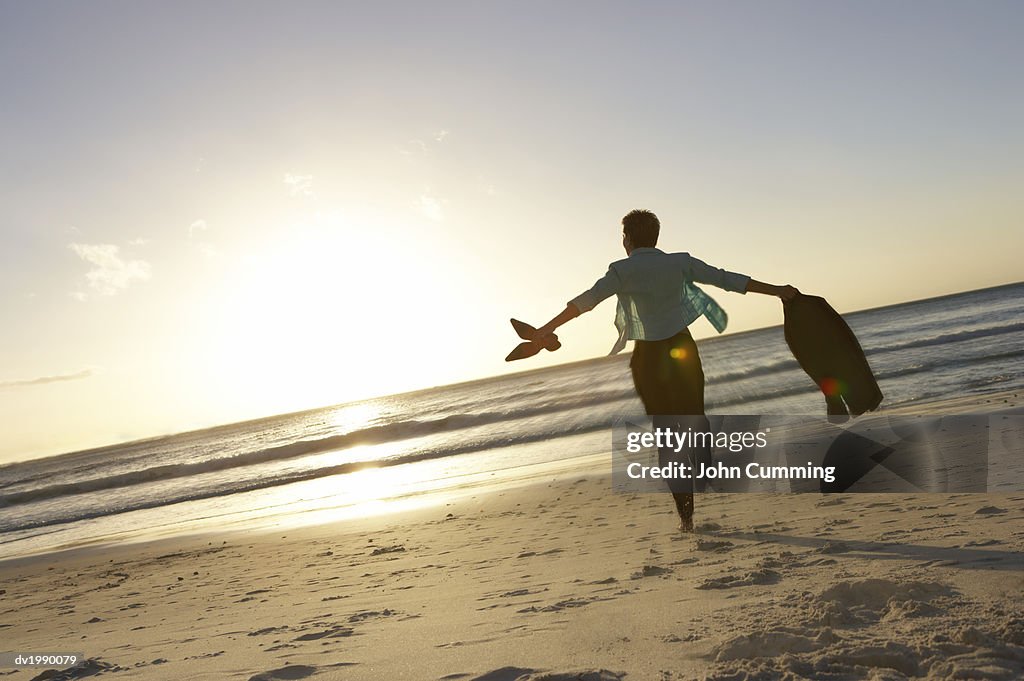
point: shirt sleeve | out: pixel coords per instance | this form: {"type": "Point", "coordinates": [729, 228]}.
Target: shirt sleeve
{"type": "Point", "coordinates": [604, 287]}
{"type": "Point", "coordinates": [701, 272]}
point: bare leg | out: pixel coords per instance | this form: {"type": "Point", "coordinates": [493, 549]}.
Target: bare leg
{"type": "Point", "coordinates": [684, 506]}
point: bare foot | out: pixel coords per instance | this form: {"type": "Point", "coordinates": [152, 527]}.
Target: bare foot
{"type": "Point", "coordinates": [686, 525]}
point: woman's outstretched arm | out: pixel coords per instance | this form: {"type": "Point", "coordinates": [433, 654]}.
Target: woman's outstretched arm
{"type": "Point", "coordinates": [785, 292]}
{"type": "Point", "coordinates": [570, 312]}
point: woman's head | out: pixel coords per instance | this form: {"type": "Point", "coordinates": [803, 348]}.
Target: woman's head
{"type": "Point", "coordinates": [640, 229]}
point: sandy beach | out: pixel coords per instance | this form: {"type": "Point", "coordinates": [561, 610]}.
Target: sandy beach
{"type": "Point", "coordinates": [563, 579]}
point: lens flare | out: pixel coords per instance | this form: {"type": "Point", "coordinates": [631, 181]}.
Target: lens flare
{"type": "Point", "coordinates": [832, 387]}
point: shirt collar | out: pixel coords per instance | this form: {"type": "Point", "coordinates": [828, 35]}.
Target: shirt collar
{"type": "Point", "coordinates": [643, 250]}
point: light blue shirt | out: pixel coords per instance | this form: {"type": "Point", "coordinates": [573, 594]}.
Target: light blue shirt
{"type": "Point", "coordinates": [657, 297]}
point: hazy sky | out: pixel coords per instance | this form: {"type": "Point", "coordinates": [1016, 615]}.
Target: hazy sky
{"type": "Point", "coordinates": [215, 211]}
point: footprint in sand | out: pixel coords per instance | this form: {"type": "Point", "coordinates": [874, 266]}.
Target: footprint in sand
{"type": "Point", "coordinates": [363, 615]}
{"type": "Point", "coordinates": [711, 545]}
{"type": "Point", "coordinates": [382, 550]}
{"type": "Point", "coordinates": [707, 526]}
{"type": "Point", "coordinates": [267, 630]}
{"type": "Point", "coordinates": [561, 605]}
{"type": "Point", "coordinates": [607, 580]}
{"type": "Point", "coordinates": [333, 632]}
{"type": "Point", "coordinates": [989, 510]}
{"type": "Point", "coordinates": [289, 673]}
{"type": "Point", "coordinates": [650, 571]}
{"type": "Point", "coordinates": [204, 656]}
{"type": "Point", "coordinates": [761, 576]}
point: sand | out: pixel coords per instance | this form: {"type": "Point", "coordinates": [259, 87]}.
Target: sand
{"type": "Point", "coordinates": [560, 580]}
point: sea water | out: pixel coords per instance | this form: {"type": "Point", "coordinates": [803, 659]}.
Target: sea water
{"type": "Point", "coordinates": [349, 459]}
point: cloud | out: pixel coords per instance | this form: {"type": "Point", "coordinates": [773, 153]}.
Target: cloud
{"type": "Point", "coordinates": [417, 147]}
{"type": "Point", "coordinates": [206, 249]}
{"type": "Point", "coordinates": [431, 207]}
{"type": "Point", "coordinates": [197, 226]}
{"type": "Point", "coordinates": [43, 380]}
{"type": "Point", "coordinates": [109, 273]}
{"type": "Point", "coordinates": [413, 148]}
{"type": "Point", "coordinates": [299, 185]}
{"type": "Point", "coordinates": [138, 241]}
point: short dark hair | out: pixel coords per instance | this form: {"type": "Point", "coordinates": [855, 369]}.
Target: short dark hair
{"type": "Point", "coordinates": [642, 228]}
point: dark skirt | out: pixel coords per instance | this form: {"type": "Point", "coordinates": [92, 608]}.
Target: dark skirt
{"type": "Point", "coordinates": [668, 375]}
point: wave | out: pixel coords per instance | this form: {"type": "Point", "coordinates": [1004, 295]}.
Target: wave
{"type": "Point", "coordinates": [957, 337]}
{"type": "Point", "coordinates": [301, 476]}
{"type": "Point", "coordinates": [754, 372]}
{"type": "Point", "coordinates": [881, 377]}
{"type": "Point", "coordinates": [401, 430]}
{"type": "Point", "coordinates": [943, 339]}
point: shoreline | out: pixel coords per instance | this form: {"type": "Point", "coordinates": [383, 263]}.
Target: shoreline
{"type": "Point", "coordinates": [594, 463]}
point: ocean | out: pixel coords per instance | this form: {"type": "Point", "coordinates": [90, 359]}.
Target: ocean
{"type": "Point", "coordinates": [398, 451]}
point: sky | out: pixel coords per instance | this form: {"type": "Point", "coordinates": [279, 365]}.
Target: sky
{"type": "Point", "coordinates": [218, 211]}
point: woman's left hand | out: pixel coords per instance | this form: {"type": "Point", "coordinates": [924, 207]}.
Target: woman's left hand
{"type": "Point", "coordinates": [787, 292]}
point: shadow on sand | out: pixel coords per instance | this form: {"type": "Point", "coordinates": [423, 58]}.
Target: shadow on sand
{"type": "Point", "coordinates": [939, 556]}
